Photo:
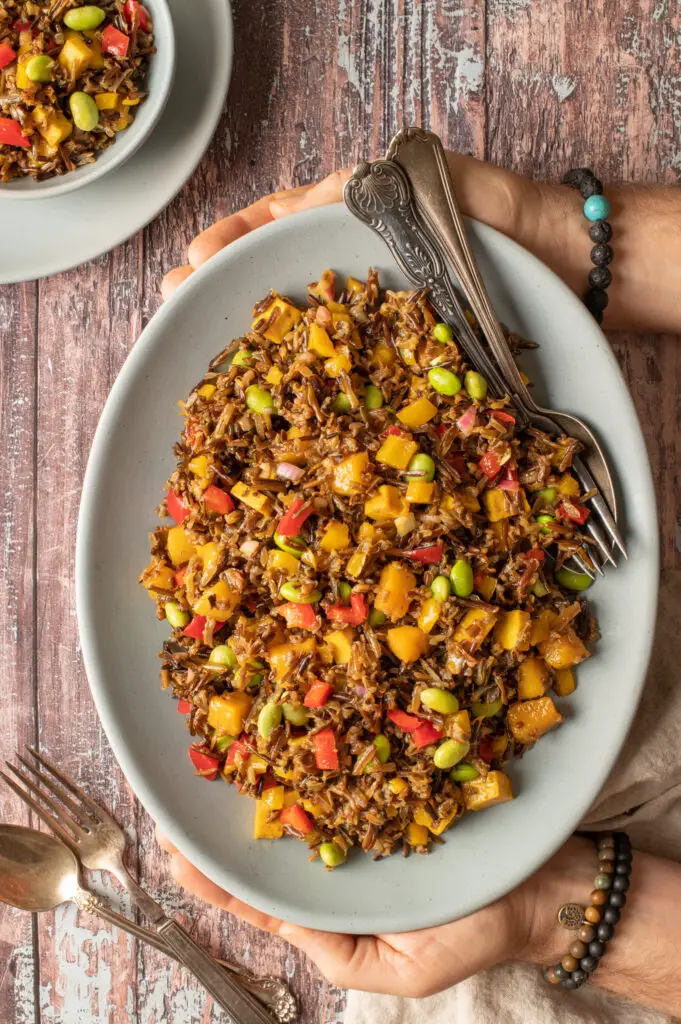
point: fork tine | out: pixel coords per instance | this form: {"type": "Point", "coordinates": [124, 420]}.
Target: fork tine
{"type": "Point", "coordinates": [600, 506]}
{"type": "Point", "coordinates": [586, 566]}
{"type": "Point", "coordinates": [97, 811]}
{"type": "Point", "coordinates": [597, 534]}
{"type": "Point", "coordinates": [51, 822]}
{"type": "Point", "coordinates": [58, 791]}
{"type": "Point", "coordinates": [59, 812]}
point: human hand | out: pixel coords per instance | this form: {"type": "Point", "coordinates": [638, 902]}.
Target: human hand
{"type": "Point", "coordinates": [521, 926]}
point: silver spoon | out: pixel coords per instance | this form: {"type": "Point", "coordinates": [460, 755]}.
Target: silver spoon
{"type": "Point", "coordinates": [38, 873]}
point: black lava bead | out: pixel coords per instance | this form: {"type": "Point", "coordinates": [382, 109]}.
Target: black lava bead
{"type": "Point", "coordinates": [600, 277]}
{"type": "Point", "coordinates": [560, 972]}
{"type": "Point", "coordinates": [623, 855]}
{"type": "Point", "coordinates": [579, 976]}
{"type": "Point", "coordinates": [589, 963]}
{"type": "Point", "coordinates": [622, 841]}
{"type": "Point", "coordinates": [568, 983]}
{"type": "Point", "coordinates": [620, 883]}
{"type": "Point", "coordinates": [611, 915]}
{"type": "Point", "coordinates": [623, 867]}
{"type": "Point", "coordinates": [601, 255]}
{"type": "Point", "coordinates": [596, 948]}
{"type": "Point", "coordinates": [590, 187]}
{"type": "Point", "coordinates": [600, 232]}
{"type": "Point", "coordinates": [604, 932]}
{"type": "Point", "coordinates": [596, 300]}
{"type": "Point", "coordinates": [617, 899]}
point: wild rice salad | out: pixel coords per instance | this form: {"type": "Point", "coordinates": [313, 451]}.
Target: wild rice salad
{"type": "Point", "coordinates": [70, 79]}
{"type": "Point", "coordinates": [365, 577]}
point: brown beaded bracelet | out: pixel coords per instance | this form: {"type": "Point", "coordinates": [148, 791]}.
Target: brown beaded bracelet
{"type": "Point", "coordinates": [596, 923]}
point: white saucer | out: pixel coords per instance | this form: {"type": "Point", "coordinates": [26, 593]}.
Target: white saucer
{"type": "Point", "coordinates": [48, 236]}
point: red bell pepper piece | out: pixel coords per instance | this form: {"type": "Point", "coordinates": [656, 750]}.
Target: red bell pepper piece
{"type": "Point", "coordinates": [504, 417]}
{"type": "Point", "coordinates": [352, 616]}
{"type": "Point", "coordinates": [115, 43]}
{"type": "Point", "coordinates": [394, 431]}
{"type": "Point", "coordinates": [11, 133]}
{"type": "Point", "coordinates": [183, 707]}
{"type": "Point", "coordinates": [408, 723]}
{"type": "Point", "coordinates": [7, 55]}
{"type": "Point", "coordinates": [428, 555]}
{"type": "Point", "coordinates": [298, 616]}
{"type": "Point", "coordinates": [325, 751]}
{"type": "Point", "coordinates": [536, 553]}
{"type": "Point", "coordinates": [457, 462]}
{"type": "Point", "coordinates": [297, 819]}
{"type": "Point", "coordinates": [218, 500]}
{"type": "Point", "coordinates": [575, 513]}
{"type": "Point", "coordinates": [206, 766]}
{"type": "Point", "coordinates": [290, 524]}
{"type": "Point", "coordinates": [197, 625]}
{"type": "Point", "coordinates": [21, 26]}
{"type": "Point", "coordinates": [426, 734]}
{"type": "Point", "coordinates": [489, 464]}
{"type": "Point", "coordinates": [442, 429]}
{"type": "Point", "coordinates": [132, 8]}
{"type": "Point", "coordinates": [176, 508]}
{"type": "Point", "coordinates": [269, 783]}
{"type": "Point", "coordinates": [180, 576]}
{"type": "Point", "coordinates": [318, 694]}
{"type": "Point", "coordinates": [486, 750]}
{"type": "Point", "coordinates": [238, 747]}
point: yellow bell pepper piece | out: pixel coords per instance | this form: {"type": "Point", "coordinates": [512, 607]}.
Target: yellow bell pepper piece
{"type": "Point", "coordinates": [497, 504]}
{"type": "Point", "coordinates": [429, 614]}
{"type": "Point", "coordinates": [486, 587]}
{"type": "Point", "coordinates": [568, 486]}
{"type": "Point", "coordinates": [340, 363]}
{"type": "Point", "coordinates": [393, 593]}
{"type": "Point", "coordinates": [210, 556]}
{"type": "Point", "coordinates": [340, 644]}
{"type": "Point", "coordinates": [107, 100]}
{"type": "Point", "coordinates": [396, 452]}
{"type": "Point", "coordinates": [563, 651]}
{"type": "Point", "coordinates": [530, 719]}
{"type": "Point", "coordinates": [161, 578]}
{"type": "Point", "coordinates": [565, 682]}
{"type": "Point", "coordinates": [417, 834]}
{"type": "Point", "coordinates": [22, 79]}
{"type": "Point", "coordinates": [486, 791]}
{"type": "Point", "coordinates": [420, 491]}
{"type": "Point", "coordinates": [75, 55]}
{"type": "Point", "coordinates": [512, 630]}
{"type": "Point", "coordinates": [263, 828]}
{"type": "Point", "coordinates": [291, 796]}
{"type": "Point", "coordinates": [52, 125]}
{"type": "Point", "coordinates": [408, 643]}
{"type": "Point", "coordinates": [320, 342]}
{"type": "Point", "coordinates": [228, 712]}
{"type": "Point", "coordinates": [130, 101]}
{"type": "Point", "coordinates": [286, 319]}
{"type": "Point", "coordinates": [180, 548]}
{"type": "Point", "coordinates": [532, 679]}
{"type": "Point", "coordinates": [274, 376]}
{"type": "Point", "coordinates": [383, 354]}
{"type": "Point", "coordinates": [355, 286]}
{"type": "Point", "coordinates": [283, 656]}
{"type": "Point", "coordinates": [434, 825]}
{"type": "Point", "coordinates": [386, 503]}
{"type": "Point", "coordinates": [469, 499]}
{"type": "Point", "coordinates": [281, 560]}
{"type": "Point", "coordinates": [257, 763]}
{"type": "Point", "coordinates": [207, 391]}
{"type": "Point", "coordinates": [253, 498]}
{"type": "Point", "coordinates": [348, 473]}
{"type": "Point", "coordinates": [336, 538]}
{"type": "Point", "coordinates": [474, 627]}
{"type": "Point", "coordinates": [273, 797]}
{"type": "Point", "coordinates": [417, 413]}
{"type": "Point", "coordinates": [541, 627]}
{"type": "Point", "coordinates": [461, 721]}
{"type": "Point", "coordinates": [200, 466]}
{"type": "Point", "coordinates": [398, 786]}
{"type": "Point", "coordinates": [355, 564]}
{"type": "Point", "coordinates": [223, 604]}
{"type": "Point", "coordinates": [408, 356]}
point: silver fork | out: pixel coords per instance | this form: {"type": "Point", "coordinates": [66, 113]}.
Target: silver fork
{"type": "Point", "coordinates": [98, 842]}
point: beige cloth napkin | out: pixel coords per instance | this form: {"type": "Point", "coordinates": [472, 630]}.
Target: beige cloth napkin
{"type": "Point", "coordinates": [643, 795]}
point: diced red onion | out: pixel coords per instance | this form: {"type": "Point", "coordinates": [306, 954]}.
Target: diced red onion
{"type": "Point", "coordinates": [466, 421]}
{"type": "Point", "coordinates": [287, 471]}
{"type": "Point", "coordinates": [361, 691]}
{"type": "Point", "coordinates": [509, 482]}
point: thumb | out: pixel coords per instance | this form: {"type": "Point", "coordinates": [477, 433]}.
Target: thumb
{"type": "Point", "coordinates": [329, 190]}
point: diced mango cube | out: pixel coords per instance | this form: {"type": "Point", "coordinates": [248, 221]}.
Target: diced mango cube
{"type": "Point", "coordinates": [75, 55]}
{"type": "Point", "coordinates": [417, 834]}
{"type": "Point", "coordinates": [461, 723]}
{"type": "Point", "coordinates": [96, 60]}
{"type": "Point", "coordinates": [398, 786]}
{"type": "Point", "coordinates": [421, 492]}
{"type": "Point", "coordinates": [434, 825]}
{"type": "Point", "coordinates": [274, 376]}
{"type": "Point", "coordinates": [253, 498]}
{"type": "Point", "coordinates": [530, 719]}
{"type": "Point", "coordinates": [355, 564]}
{"type": "Point", "coordinates": [367, 531]}
{"type": "Point", "coordinates": [563, 651]}
{"type": "Point", "coordinates": [161, 577]}
{"type": "Point", "coordinates": [340, 363]}
{"type": "Point", "coordinates": [217, 602]}
{"type": "Point", "coordinates": [429, 614]}
{"type": "Point", "coordinates": [512, 630]}
{"type": "Point", "coordinates": [273, 797]}
{"type": "Point", "coordinates": [469, 499]}
{"type": "Point", "coordinates": [340, 644]}
{"type": "Point", "coordinates": [486, 587]}
{"type": "Point", "coordinates": [486, 791]}
{"type": "Point", "coordinates": [336, 537]}
{"type": "Point", "coordinates": [408, 643]}
{"type": "Point", "coordinates": [532, 679]}
{"type": "Point", "coordinates": [498, 504]}
{"type": "Point", "coordinates": [263, 828]}
{"type": "Point", "coordinates": [386, 503]}
{"type": "Point", "coordinates": [474, 627]}
{"type": "Point", "coordinates": [207, 391]}
{"type": "Point", "coordinates": [52, 125]}
{"type": "Point", "coordinates": [541, 626]}
{"type": "Point", "coordinates": [180, 548]}
{"type": "Point", "coordinates": [287, 316]}
{"type": "Point", "coordinates": [282, 657]}
{"type": "Point", "coordinates": [227, 712]}
{"type": "Point", "coordinates": [107, 100]}
{"type": "Point", "coordinates": [22, 79]}
{"type": "Point", "coordinates": [320, 342]}
{"type": "Point", "coordinates": [565, 682]}
{"type": "Point", "coordinates": [200, 465]}
{"type": "Point", "coordinates": [417, 413]}
{"type": "Point", "coordinates": [568, 486]}
{"type": "Point", "coordinates": [394, 590]}
{"type": "Point", "coordinates": [348, 473]}
{"type": "Point", "coordinates": [283, 561]}
{"type": "Point", "coordinates": [383, 354]}
{"type": "Point", "coordinates": [396, 452]}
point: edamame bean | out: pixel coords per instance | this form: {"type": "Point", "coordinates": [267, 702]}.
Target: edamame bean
{"type": "Point", "coordinates": [461, 576]}
{"type": "Point", "coordinates": [223, 743]}
{"type": "Point", "coordinates": [373, 397]}
{"type": "Point", "coordinates": [548, 495]}
{"type": "Point", "coordinates": [377, 618]}
{"type": "Point", "coordinates": [545, 519]}
{"type": "Point", "coordinates": [341, 404]}
{"type": "Point", "coordinates": [450, 753]}
{"type": "Point", "coordinates": [443, 333]}
{"type": "Point", "coordinates": [441, 588]}
{"type": "Point", "coordinates": [539, 589]}
{"type": "Point", "coordinates": [268, 719]}
{"type": "Point", "coordinates": [296, 714]}
{"type": "Point", "coordinates": [259, 400]}
{"type": "Point", "coordinates": [421, 466]}
{"type": "Point", "coordinates": [223, 655]}
{"type": "Point", "coordinates": [444, 381]}
{"type": "Point", "coordinates": [480, 710]}
{"type": "Point", "coordinates": [39, 69]}
{"type": "Point", "coordinates": [382, 744]}
{"type": "Point", "coordinates": [475, 384]}
{"type": "Point", "coordinates": [332, 854]}
{"type": "Point", "coordinates": [293, 592]}
{"type": "Point", "coordinates": [291, 545]}
{"type": "Point", "coordinates": [175, 615]}
{"type": "Point", "coordinates": [441, 701]}
{"type": "Point", "coordinates": [255, 681]}
{"type": "Point", "coordinates": [573, 580]}
{"type": "Point", "coordinates": [464, 773]}
{"type": "Point", "coordinates": [242, 357]}
{"type": "Point", "coordinates": [83, 19]}
{"type": "Point", "coordinates": [84, 111]}
{"type": "Point", "coordinates": [344, 591]}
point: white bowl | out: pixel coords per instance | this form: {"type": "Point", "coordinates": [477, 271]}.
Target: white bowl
{"type": "Point", "coordinates": [159, 82]}
{"type": "Point", "coordinates": [486, 854]}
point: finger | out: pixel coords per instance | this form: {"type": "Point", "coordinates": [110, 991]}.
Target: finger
{"type": "Point", "coordinates": [219, 235]}
{"type": "Point", "coordinates": [363, 962]}
{"type": "Point", "coordinates": [173, 279]}
{"type": "Point", "coordinates": [329, 190]}
{"type": "Point", "coordinates": [163, 841]}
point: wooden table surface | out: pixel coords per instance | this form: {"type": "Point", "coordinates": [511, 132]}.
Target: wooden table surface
{"type": "Point", "coordinates": [537, 85]}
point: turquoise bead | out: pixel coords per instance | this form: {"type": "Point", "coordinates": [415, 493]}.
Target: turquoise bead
{"type": "Point", "coordinates": [596, 208]}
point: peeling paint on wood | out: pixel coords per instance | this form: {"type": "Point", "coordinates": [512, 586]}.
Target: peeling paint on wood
{"type": "Point", "coordinates": [537, 85]}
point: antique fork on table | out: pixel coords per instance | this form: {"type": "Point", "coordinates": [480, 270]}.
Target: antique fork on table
{"type": "Point", "coordinates": [380, 194]}
{"type": "Point", "coordinates": [98, 842]}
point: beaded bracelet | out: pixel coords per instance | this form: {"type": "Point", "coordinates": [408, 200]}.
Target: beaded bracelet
{"type": "Point", "coordinates": [596, 210]}
{"type": "Point", "coordinates": [597, 922]}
